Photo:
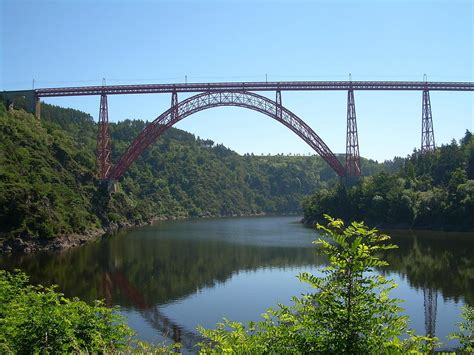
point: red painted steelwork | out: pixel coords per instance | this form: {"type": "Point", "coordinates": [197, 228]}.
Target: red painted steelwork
{"type": "Point", "coordinates": [215, 99]}
{"type": "Point", "coordinates": [255, 86]}
{"type": "Point", "coordinates": [104, 149]}
{"type": "Point", "coordinates": [352, 140]}
{"type": "Point", "coordinates": [427, 133]}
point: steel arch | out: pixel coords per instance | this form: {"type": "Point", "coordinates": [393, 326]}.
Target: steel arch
{"type": "Point", "coordinates": [208, 100]}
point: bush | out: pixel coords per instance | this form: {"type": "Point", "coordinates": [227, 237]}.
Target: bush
{"type": "Point", "coordinates": [349, 312]}
{"type": "Point", "coordinates": [465, 335]}
{"type": "Point", "coordinates": [39, 319]}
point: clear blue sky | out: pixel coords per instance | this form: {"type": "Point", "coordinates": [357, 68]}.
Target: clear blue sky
{"type": "Point", "coordinates": [71, 43]}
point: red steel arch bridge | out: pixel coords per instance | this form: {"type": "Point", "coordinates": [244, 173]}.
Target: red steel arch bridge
{"type": "Point", "coordinates": [240, 94]}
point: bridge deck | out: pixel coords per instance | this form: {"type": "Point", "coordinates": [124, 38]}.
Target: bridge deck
{"type": "Point", "coordinates": [256, 86]}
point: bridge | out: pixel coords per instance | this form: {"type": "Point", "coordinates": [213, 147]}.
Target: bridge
{"type": "Point", "coordinates": [240, 94]}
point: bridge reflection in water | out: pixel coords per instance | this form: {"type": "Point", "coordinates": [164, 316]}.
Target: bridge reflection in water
{"type": "Point", "coordinates": [430, 305]}
{"type": "Point", "coordinates": [115, 281]}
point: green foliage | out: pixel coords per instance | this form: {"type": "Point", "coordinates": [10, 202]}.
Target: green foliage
{"type": "Point", "coordinates": [433, 190]}
{"type": "Point", "coordinates": [350, 311]}
{"type": "Point", "coordinates": [45, 189]}
{"type": "Point", "coordinates": [465, 335]}
{"type": "Point", "coordinates": [39, 319]}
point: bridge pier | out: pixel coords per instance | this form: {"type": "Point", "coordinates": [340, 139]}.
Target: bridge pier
{"type": "Point", "coordinates": [352, 139]}
{"type": "Point", "coordinates": [37, 107]}
{"type": "Point", "coordinates": [427, 132]}
{"type": "Point", "coordinates": [104, 148]}
{"type": "Point", "coordinates": [174, 104]}
{"type": "Point", "coordinates": [278, 103]}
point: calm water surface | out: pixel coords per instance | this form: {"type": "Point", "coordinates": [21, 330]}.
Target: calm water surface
{"type": "Point", "coordinates": [173, 276]}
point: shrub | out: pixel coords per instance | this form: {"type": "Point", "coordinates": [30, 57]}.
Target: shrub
{"type": "Point", "coordinates": [465, 335]}
{"type": "Point", "coordinates": [38, 319]}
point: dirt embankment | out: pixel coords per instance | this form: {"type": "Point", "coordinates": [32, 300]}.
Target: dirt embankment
{"type": "Point", "coordinates": [27, 244]}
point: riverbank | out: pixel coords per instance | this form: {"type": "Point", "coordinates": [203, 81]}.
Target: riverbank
{"type": "Point", "coordinates": [62, 242]}
{"type": "Point", "coordinates": [408, 227]}
{"type": "Point", "coordinates": [28, 244]}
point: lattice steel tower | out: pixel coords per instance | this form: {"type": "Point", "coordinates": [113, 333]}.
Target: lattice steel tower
{"type": "Point", "coordinates": [104, 149]}
{"type": "Point", "coordinates": [427, 133]}
{"type": "Point", "coordinates": [352, 140]}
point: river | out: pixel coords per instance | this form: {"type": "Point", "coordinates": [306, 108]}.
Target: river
{"type": "Point", "coordinates": [173, 276]}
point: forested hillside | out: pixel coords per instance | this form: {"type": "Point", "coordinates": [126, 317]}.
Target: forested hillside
{"type": "Point", "coordinates": [433, 191]}
{"type": "Point", "coordinates": [48, 184]}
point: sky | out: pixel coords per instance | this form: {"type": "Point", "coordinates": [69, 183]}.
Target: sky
{"type": "Point", "coordinates": [75, 43]}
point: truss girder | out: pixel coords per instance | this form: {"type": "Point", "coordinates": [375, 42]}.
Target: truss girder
{"type": "Point", "coordinates": [208, 100]}
{"type": "Point", "coordinates": [255, 86]}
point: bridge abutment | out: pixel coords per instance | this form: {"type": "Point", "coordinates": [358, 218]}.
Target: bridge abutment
{"type": "Point", "coordinates": [37, 108]}
{"type": "Point", "coordinates": [113, 186]}
{"type": "Point", "coordinates": [349, 181]}
{"type": "Point", "coordinates": [109, 185]}
{"type": "Point", "coordinates": [24, 99]}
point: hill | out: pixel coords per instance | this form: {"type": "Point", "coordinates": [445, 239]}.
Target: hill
{"type": "Point", "coordinates": [49, 189]}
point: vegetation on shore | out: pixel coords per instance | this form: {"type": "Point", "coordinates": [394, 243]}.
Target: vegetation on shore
{"type": "Point", "coordinates": [434, 190]}
{"type": "Point", "coordinates": [37, 319]}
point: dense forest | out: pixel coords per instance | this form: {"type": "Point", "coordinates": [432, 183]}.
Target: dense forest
{"type": "Point", "coordinates": [48, 183]}
{"type": "Point", "coordinates": [434, 190]}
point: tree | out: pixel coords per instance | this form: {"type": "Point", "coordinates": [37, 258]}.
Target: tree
{"type": "Point", "coordinates": [465, 335]}
{"type": "Point", "coordinates": [349, 312]}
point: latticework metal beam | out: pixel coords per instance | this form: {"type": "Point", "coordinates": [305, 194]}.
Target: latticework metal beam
{"type": "Point", "coordinates": [352, 140]}
{"type": "Point", "coordinates": [256, 86]}
{"type": "Point", "coordinates": [215, 99]}
{"type": "Point", "coordinates": [427, 132]}
{"type": "Point", "coordinates": [104, 149]}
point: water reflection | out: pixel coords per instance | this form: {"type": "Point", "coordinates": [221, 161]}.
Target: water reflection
{"type": "Point", "coordinates": [430, 305]}
{"type": "Point", "coordinates": [440, 261]}
{"type": "Point", "coordinates": [145, 269]}
{"type": "Point", "coordinates": [161, 268]}
{"type": "Point", "coordinates": [117, 282]}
